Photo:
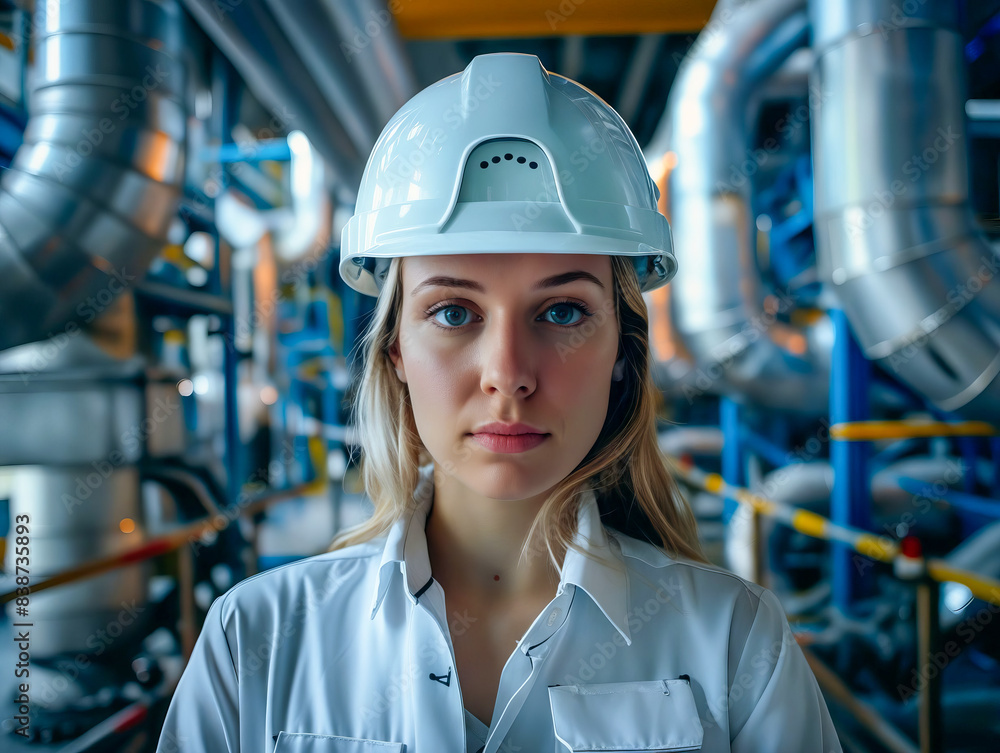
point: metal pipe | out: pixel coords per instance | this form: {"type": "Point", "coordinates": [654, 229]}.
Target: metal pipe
{"type": "Point", "coordinates": [719, 308]}
{"type": "Point", "coordinates": [313, 36]}
{"type": "Point", "coordinates": [700, 440]}
{"type": "Point", "coordinates": [928, 640]}
{"type": "Point", "coordinates": [372, 45]}
{"type": "Point", "coordinates": [275, 73]}
{"type": "Point", "coordinates": [637, 74]}
{"type": "Point", "coordinates": [183, 301]}
{"type": "Point", "coordinates": [895, 231]}
{"type": "Point", "coordinates": [971, 502]}
{"type": "Point", "coordinates": [90, 194]}
{"type": "Point", "coordinates": [166, 543]}
{"type": "Point", "coordinates": [877, 547]}
{"type": "Point", "coordinates": [191, 480]}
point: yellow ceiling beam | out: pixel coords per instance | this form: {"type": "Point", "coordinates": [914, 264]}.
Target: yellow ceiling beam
{"type": "Point", "coordinates": [462, 19]}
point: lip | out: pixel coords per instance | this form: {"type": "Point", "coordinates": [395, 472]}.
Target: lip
{"type": "Point", "coordinates": [509, 443]}
{"type": "Point", "coordinates": [498, 427]}
{"type": "Point", "coordinates": [509, 438]}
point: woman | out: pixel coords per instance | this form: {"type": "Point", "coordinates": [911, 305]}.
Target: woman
{"type": "Point", "coordinates": [531, 578]}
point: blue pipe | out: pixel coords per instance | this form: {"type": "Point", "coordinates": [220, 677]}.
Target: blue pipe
{"type": "Point", "coordinates": [963, 500]}
{"type": "Point", "coordinates": [850, 503]}
{"type": "Point", "coordinates": [761, 445]}
{"type": "Point", "coordinates": [732, 452]}
{"type": "Point", "coordinates": [271, 149]}
{"type": "Point", "coordinates": [995, 452]}
{"type": "Point", "coordinates": [892, 453]}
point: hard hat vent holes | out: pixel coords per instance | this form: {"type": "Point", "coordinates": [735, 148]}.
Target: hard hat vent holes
{"type": "Point", "coordinates": [506, 169]}
{"type": "Point", "coordinates": [495, 159]}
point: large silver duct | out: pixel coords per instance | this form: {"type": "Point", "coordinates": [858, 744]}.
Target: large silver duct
{"type": "Point", "coordinates": [84, 208]}
{"type": "Point", "coordinates": [724, 319]}
{"type": "Point", "coordinates": [895, 233]}
{"type": "Point", "coordinates": [90, 194]}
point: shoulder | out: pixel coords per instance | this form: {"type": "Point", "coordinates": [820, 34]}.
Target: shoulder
{"type": "Point", "coordinates": [318, 577]}
{"type": "Point", "coordinates": [706, 589]}
{"type": "Point", "coordinates": [747, 618]}
{"type": "Point", "coordinates": [749, 644]}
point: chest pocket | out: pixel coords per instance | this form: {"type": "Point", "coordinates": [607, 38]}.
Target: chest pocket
{"type": "Point", "coordinates": [652, 715]}
{"type": "Point", "coordinates": [304, 742]}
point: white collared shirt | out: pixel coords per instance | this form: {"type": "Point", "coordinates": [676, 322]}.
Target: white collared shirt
{"type": "Point", "coordinates": [350, 652]}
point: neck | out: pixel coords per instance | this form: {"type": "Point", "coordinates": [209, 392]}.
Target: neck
{"type": "Point", "coordinates": [474, 544]}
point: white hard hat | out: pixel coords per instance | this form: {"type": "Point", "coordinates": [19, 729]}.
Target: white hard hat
{"type": "Point", "coordinates": [505, 157]}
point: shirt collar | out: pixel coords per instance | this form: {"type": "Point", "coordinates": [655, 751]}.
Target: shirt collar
{"type": "Point", "coordinates": [604, 580]}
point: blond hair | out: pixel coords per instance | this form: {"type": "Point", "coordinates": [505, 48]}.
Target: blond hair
{"type": "Point", "coordinates": [635, 490]}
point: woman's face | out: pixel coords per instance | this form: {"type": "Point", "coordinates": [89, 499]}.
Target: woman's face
{"type": "Point", "coordinates": [529, 338]}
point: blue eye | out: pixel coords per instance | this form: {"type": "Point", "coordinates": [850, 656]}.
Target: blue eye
{"type": "Point", "coordinates": [450, 323]}
{"type": "Point", "coordinates": [564, 309]}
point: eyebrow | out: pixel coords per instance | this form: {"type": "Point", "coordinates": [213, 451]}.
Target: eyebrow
{"type": "Point", "coordinates": [549, 282]}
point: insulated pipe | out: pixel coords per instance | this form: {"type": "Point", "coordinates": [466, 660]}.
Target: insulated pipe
{"type": "Point", "coordinates": [315, 40]}
{"type": "Point", "coordinates": [372, 46]}
{"type": "Point", "coordinates": [895, 232]}
{"type": "Point", "coordinates": [91, 192]}
{"type": "Point", "coordinates": [809, 485]}
{"type": "Point", "coordinates": [724, 320]}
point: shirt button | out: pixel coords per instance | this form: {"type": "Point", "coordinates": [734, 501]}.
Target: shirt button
{"type": "Point", "coordinates": [553, 616]}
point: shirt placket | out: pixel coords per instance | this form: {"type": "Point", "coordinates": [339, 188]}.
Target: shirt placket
{"type": "Point", "coordinates": [439, 716]}
{"type": "Point", "coordinates": [524, 666]}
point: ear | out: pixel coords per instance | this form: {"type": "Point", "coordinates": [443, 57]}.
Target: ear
{"type": "Point", "coordinates": [397, 361]}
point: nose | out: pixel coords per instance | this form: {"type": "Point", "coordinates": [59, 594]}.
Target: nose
{"type": "Point", "coordinates": [508, 361]}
